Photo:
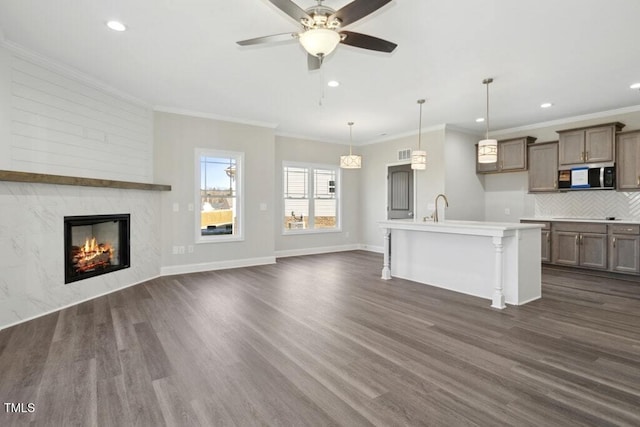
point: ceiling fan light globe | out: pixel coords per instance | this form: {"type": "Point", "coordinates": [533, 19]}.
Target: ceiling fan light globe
{"type": "Point", "coordinates": [319, 42]}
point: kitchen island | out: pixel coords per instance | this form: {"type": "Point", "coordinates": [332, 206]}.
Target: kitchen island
{"type": "Point", "coordinates": [497, 261]}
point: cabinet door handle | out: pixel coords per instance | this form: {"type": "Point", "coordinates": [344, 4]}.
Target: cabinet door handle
{"type": "Point", "coordinates": [576, 239]}
{"type": "Point", "coordinates": [638, 181]}
{"type": "Point", "coordinates": [582, 156]}
{"type": "Point", "coordinates": [586, 157]}
{"type": "Point", "coordinates": [581, 239]}
{"type": "Point", "coordinates": [614, 242]}
{"type": "Point", "coordinates": [555, 184]}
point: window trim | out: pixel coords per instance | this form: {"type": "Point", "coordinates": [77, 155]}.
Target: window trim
{"type": "Point", "coordinates": [311, 167]}
{"type": "Point", "coordinates": [239, 157]}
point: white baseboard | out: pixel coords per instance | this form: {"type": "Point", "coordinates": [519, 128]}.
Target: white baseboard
{"type": "Point", "coordinates": [377, 249]}
{"type": "Point", "coordinates": [216, 265]}
{"type": "Point", "coordinates": [318, 250]}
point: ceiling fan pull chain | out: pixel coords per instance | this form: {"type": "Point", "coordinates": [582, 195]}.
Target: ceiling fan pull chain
{"type": "Point", "coordinates": [321, 74]}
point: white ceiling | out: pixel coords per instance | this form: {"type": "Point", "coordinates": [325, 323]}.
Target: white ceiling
{"type": "Point", "coordinates": [581, 55]}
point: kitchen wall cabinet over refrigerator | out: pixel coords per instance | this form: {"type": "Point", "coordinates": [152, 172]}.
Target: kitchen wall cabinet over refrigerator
{"type": "Point", "coordinates": [593, 144]}
{"type": "Point", "coordinates": [628, 161]}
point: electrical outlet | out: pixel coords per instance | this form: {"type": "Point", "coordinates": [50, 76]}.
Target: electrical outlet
{"type": "Point", "coordinates": [175, 250]}
{"type": "Point", "coordinates": [176, 207]}
{"type": "Point", "coordinates": [190, 207]}
{"type": "Point", "coordinates": [181, 250]}
{"type": "Point", "coordinates": [190, 249]}
{"type": "Point", "coordinates": [346, 234]}
{"type": "Point", "coordinates": [507, 211]}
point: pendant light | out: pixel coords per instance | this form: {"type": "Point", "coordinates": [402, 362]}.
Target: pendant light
{"type": "Point", "coordinates": [419, 157]}
{"type": "Point", "coordinates": [487, 148]}
{"type": "Point", "coordinates": [352, 161]}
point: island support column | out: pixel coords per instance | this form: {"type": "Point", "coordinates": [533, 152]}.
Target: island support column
{"type": "Point", "coordinates": [386, 266]}
{"type": "Point", "coordinates": [497, 301]}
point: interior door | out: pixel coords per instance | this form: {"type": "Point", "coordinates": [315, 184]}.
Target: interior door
{"type": "Point", "coordinates": [400, 192]}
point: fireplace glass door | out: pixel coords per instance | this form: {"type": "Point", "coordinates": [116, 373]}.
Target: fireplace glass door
{"type": "Point", "coordinates": [95, 245]}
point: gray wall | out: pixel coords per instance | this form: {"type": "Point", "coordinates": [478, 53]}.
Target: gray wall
{"type": "Point", "coordinates": [376, 160]}
{"type": "Point", "coordinates": [176, 138]}
{"type": "Point", "coordinates": [306, 151]}
{"type": "Point", "coordinates": [463, 187]}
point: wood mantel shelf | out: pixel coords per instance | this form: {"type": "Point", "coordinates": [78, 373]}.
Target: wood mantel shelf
{"type": "Point", "coordinates": [43, 178]}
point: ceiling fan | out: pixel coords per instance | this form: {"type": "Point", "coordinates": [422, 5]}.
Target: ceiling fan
{"type": "Point", "coordinates": [322, 26]}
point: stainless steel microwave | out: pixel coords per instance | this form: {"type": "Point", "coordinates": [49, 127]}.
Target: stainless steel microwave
{"type": "Point", "coordinates": [588, 177]}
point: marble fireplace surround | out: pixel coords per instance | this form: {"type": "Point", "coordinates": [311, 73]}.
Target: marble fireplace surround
{"type": "Point", "coordinates": [32, 211]}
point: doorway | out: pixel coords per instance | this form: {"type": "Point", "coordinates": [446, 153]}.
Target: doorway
{"type": "Point", "coordinates": [400, 192]}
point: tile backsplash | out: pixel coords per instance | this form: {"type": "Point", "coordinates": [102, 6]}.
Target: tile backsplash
{"type": "Point", "coordinates": [589, 204]}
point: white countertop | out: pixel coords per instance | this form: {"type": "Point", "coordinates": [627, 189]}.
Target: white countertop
{"type": "Point", "coordinates": [584, 219]}
{"type": "Point", "coordinates": [478, 228]}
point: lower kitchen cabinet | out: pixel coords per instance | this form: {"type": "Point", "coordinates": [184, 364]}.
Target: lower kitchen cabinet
{"type": "Point", "coordinates": [595, 245]}
{"type": "Point", "coordinates": [579, 244]}
{"type": "Point", "coordinates": [624, 248]}
{"type": "Point", "coordinates": [593, 250]}
{"type": "Point", "coordinates": [545, 246]}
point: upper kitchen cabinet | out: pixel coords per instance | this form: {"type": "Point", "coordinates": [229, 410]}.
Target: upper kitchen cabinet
{"type": "Point", "coordinates": [593, 144]}
{"type": "Point", "coordinates": [512, 156]}
{"type": "Point", "coordinates": [543, 167]}
{"type": "Point", "coordinates": [628, 161]}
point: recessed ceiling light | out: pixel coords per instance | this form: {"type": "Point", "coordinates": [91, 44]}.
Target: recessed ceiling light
{"type": "Point", "coordinates": [546, 105]}
{"type": "Point", "coordinates": [116, 26]}
{"type": "Point", "coordinates": [635, 86]}
{"type": "Point", "coordinates": [333, 83]}
{"type": "Point", "coordinates": [480, 120]}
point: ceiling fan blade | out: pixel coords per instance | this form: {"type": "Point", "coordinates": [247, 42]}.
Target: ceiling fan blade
{"type": "Point", "coordinates": [291, 9]}
{"type": "Point", "coordinates": [313, 62]}
{"type": "Point", "coordinates": [367, 42]}
{"type": "Point", "coordinates": [356, 10]}
{"type": "Point", "coordinates": [269, 39]}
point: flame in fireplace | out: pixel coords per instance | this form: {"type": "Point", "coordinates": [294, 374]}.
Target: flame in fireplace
{"type": "Point", "coordinates": [92, 255]}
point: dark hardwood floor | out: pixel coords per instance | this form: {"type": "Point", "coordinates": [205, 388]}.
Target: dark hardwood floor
{"type": "Point", "coordinates": [321, 340]}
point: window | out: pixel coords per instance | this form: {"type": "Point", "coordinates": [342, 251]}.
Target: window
{"type": "Point", "coordinates": [311, 201]}
{"type": "Point", "coordinates": [218, 196]}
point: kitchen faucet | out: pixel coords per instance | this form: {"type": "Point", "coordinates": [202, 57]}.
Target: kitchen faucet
{"type": "Point", "coordinates": [446, 205]}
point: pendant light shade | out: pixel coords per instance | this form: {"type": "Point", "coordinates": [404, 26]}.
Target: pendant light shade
{"type": "Point", "coordinates": [419, 156]}
{"type": "Point", "coordinates": [352, 161]}
{"type": "Point", "coordinates": [487, 148]}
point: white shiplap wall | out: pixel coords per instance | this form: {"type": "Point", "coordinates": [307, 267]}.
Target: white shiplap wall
{"type": "Point", "coordinates": [65, 126]}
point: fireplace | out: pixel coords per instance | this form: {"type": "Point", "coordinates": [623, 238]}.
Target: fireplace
{"type": "Point", "coordinates": [95, 245]}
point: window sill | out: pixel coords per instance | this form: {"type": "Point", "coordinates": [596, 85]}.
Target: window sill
{"type": "Point", "coordinates": [219, 239]}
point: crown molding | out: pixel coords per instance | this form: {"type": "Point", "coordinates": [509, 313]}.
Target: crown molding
{"type": "Point", "coordinates": [393, 137]}
{"type": "Point", "coordinates": [569, 120]}
{"type": "Point", "coordinates": [202, 115]}
{"type": "Point", "coordinates": [70, 72]}
{"type": "Point", "coordinates": [311, 138]}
